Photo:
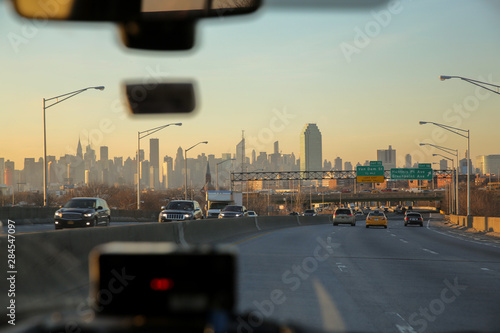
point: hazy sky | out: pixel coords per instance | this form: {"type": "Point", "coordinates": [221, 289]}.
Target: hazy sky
{"type": "Point", "coordinates": [365, 78]}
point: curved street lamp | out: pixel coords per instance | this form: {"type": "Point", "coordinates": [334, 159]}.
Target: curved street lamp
{"type": "Point", "coordinates": [474, 82]}
{"type": "Point", "coordinates": [458, 131]}
{"type": "Point", "coordinates": [45, 106]}
{"type": "Point", "coordinates": [139, 137]}
{"type": "Point", "coordinates": [185, 167]}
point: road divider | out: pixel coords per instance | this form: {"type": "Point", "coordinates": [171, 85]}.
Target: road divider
{"type": "Point", "coordinates": [53, 266]}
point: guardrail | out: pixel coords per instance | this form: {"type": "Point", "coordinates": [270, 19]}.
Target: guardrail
{"type": "Point", "coordinates": [480, 223]}
{"type": "Point", "coordinates": [52, 267]}
{"type": "Point", "coordinates": [34, 215]}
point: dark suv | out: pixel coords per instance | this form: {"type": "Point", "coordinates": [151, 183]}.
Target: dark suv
{"type": "Point", "coordinates": [233, 211]}
{"type": "Point", "coordinates": [414, 218]}
{"type": "Point", "coordinates": [83, 212]}
{"type": "Point", "coordinates": [180, 210]}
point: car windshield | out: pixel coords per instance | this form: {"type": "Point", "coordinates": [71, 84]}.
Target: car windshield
{"type": "Point", "coordinates": [376, 214]}
{"type": "Point", "coordinates": [180, 205]}
{"type": "Point", "coordinates": [80, 203]}
{"type": "Point", "coordinates": [233, 209]}
{"type": "Point", "coordinates": [218, 205]}
{"type": "Point", "coordinates": [300, 105]}
{"type": "Point", "coordinates": [414, 215]}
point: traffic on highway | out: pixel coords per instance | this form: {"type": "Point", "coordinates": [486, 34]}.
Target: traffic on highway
{"type": "Point", "coordinates": [249, 166]}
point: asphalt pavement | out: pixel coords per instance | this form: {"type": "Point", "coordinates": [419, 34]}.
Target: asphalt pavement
{"type": "Point", "coordinates": [400, 279]}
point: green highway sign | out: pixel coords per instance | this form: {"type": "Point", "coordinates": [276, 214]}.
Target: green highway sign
{"type": "Point", "coordinates": [377, 170]}
{"type": "Point", "coordinates": [372, 163]}
{"type": "Point", "coordinates": [416, 173]}
{"type": "Point", "coordinates": [370, 174]}
{"type": "Point", "coordinates": [424, 166]}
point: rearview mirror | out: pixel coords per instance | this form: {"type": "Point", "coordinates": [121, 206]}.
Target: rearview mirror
{"type": "Point", "coordinates": [122, 11]}
{"type": "Point", "coordinates": [161, 98]}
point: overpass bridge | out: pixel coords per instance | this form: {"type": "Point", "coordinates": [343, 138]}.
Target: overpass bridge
{"type": "Point", "coordinates": [310, 175]}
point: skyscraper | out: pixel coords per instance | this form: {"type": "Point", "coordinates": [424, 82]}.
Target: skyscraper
{"type": "Point", "coordinates": [311, 151]}
{"type": "Point", "coordinates": [104, 153]}
{"type": "Point", "coordinates": [154, 162]}
{"type": "Point", "coordinates": [388, 157]}
{"type": "Point", "coordinates": [337, 164]}
{"type": "Point", "coordinates": [488, 164]}
{"type": "Point", "coordinates": [240, 155]}
{"type": "Point", "coordinates": [408, 161]}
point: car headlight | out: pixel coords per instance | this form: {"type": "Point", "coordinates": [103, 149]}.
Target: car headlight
{"type": "Point", "coordinates": [239, 214]}
{"type": "Point", "coordinates": [87, 214]}
{"type": "Point", "coordinates": [221, 215]}
{"type": "Point", "coordinates": [164, 214]}
{"type": "Point", "coordinates": [58, 214]}
{"type": "Point", "coordinates": [188, 216]}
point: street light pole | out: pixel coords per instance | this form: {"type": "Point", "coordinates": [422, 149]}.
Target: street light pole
{"type": "Point", "coordinates": [458, 132]}
{"type": "Point", "coordinates": [139, 137]}
{"type": "Point", "coordinates": [45, 106]}
{"type": "Point", "coordinates": [471, 81]}
{"type": "Point", "coordinates": [451, 152]}
{"type": "Point", "coordinates": [217, 172]}
{"type": "Point", "coordinates": [185, 168]}
{"type": "Point", "coordinates": [455, 171]}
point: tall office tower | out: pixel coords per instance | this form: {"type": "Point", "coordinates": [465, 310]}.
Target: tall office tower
{"type": "Point", "coordinates": [388, 157]}
{"type": "Point", "coordinates": [488, 164]}
{"type": "Point", "coordinates": [2, 171]}
{"type": "Point", "coordinates": [347, 166]}
{"type": "Point", "coordinates": [337, 164]}
{"type": "Point", "coordinates": [311, 151]}
{"type": "Point", "coordinates": [408, 161]}
{"type": "Point", "coordinates": [103, 154]}
{"type": "Point", "coordinates": [79, 150]}
{"type": "Point", "coordinates": [168, 172]}
{"type": "Point", "coordinates": [443, 164]}
{"type": "Point", "coordinates": [154, 163]}
{"type": "Point", "coordinates": [240, 154]}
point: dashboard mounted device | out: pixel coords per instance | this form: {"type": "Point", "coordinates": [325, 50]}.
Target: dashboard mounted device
{"type": "Point", "coordinates": [163, 281]}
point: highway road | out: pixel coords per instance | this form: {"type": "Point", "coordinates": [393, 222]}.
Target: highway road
{"type": "Point", "coordinates": [400, 279]}
{"type": "Point", "coordinates": [343, 278]}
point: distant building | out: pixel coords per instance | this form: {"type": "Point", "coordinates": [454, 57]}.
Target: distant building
{"type": "Point", "coordinates": [311, 151]}
{"type": "Point", "coordinates": [443, 164]}
{"type": "Point", "coordinates": [103, 154]}
{"type": "Point", "coordinates": [488, 164]}
{"type": "Point", "coordinates": [240, 155]}
{"type": "Point", "coordinates": [408, 161]}
{"type": "Point", "coordinates": [154, 163]}
{"type": "Point", "coordinates": [388, 157]}
{"type": "Point", "coordinates": [348, 166]}
{"type": "Point", "coordinates": [337, 166]}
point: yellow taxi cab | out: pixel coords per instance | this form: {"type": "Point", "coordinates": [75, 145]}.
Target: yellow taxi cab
{"type": "Point", "coordinates": [376, 217]}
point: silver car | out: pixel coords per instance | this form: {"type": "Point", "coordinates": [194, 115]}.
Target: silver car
{"type": "Point", "coordinates": [344, 215]}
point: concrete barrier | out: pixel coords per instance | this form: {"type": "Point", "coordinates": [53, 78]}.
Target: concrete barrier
{"type": "Point", "coordinates": [480, 223]}
{"type": "Point", "coordinates": [41, 257]}
{"type": "Point", "coordinates": [45, 215]}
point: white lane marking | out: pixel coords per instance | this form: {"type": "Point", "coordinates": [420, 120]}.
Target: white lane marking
{"type": "Point", "coordinates": [461, 238]}
{"type": "Point", "coordinates": [484, 269]}
{"type": "Point", "coordinates": [341, 267]}
{"type": "Point", "coordinates": [404, 327]}
{"type": "Point", "coordinates": [332, 320]}
{"type": "Point", "coordinates": [403, 241]}
{"type": "Point", "coordinates": [430, 251]}
{"type": "Point", "coordinates": [393, 235]}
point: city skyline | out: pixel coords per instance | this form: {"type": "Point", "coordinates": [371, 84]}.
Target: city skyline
{"type": "Point", "coordinates": [361, 107]}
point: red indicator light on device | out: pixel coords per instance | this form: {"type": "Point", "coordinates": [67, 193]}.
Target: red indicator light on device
{"type": "Point", "coordinates": [161, 284]}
